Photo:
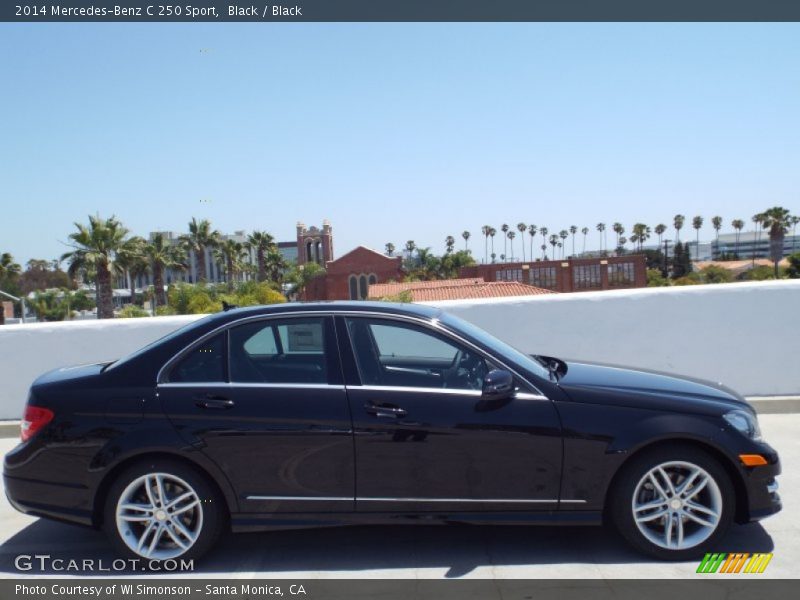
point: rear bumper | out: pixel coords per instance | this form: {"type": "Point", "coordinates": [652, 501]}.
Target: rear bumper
{"type": "Point", "coordinates": [44, 499]}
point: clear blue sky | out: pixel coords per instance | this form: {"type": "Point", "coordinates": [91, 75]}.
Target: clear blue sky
{"type": "Point", "coordinates": [392, 131]}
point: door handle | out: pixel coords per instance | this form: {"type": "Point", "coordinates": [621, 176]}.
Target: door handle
{"type": "Point", "coordinates": [385, 410]}
{"type": "Point", "coordinates": [214, 402]}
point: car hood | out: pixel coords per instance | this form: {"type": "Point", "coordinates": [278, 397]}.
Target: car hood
{"type": "Point", "coordinates": [612, 385]}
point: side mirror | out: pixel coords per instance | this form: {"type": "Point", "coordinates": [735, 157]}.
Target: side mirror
{"type": "Point", "coordinates": [498, 385]}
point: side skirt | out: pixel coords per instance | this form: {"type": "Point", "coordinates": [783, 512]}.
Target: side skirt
{"type": "Point", "coordinates": [249, 522]}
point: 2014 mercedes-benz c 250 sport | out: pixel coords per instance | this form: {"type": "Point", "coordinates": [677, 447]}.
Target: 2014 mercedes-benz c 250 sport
{"type": "Point", "coordinates": [305, 415]}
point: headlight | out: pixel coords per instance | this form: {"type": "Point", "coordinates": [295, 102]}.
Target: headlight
{"type": "Point", "coordinates": [745, 422]}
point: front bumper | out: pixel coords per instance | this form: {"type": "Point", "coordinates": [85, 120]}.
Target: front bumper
{"type": "Point", "coordinates": [761, 488]}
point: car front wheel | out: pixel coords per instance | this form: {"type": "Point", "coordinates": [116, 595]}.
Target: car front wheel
{"type": "Point", "coordinates": [163, 509]}
{"type": "Point", "coordinates": [673, 504]}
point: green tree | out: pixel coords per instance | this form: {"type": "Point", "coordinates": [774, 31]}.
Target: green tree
{"type": "Point", "coordinates": [793, 271]}
{"type": "Point", "coordinates": [261, 243]}
{"type": "Point", "coordinates": [660, 229]}
{"type": "Point", "coordinates": [9, 272]}
{"type": "Point", "coordinates": [716, 274]}
{"type": "Point", "coordinates": [132, 261]}
{"type": "Point", "coordinates": [161, 255]}
{"type": "Point", "coordinates": [302, 275]}
{"type": "Point", "coordinates": [601, 228]}
{"type": "Point", "coordinates": [585, 232]}
{"type": "Point", "coordinates": [697, 223]}
{"type": "Point", "coordinates": [504, 228]}
{"type": "Point", "coordinates": [522, 228]}
{"type": "Point", "coordinates": [716, 223]}
{"type": "Point", "coordinates": [778, 221]}
{"type": "Point", "coordinates": [200, 237]}
{"type": "Point", "coordinates": [390, 249]}
{"type": "Point", "coordinates": [738, 225]}
{"type": "Point", "coordinates": [511, 235]}
{"type": "Point", "coordinates": [532, 231]}
{"type": "Point", "coordinates": [94, 249]}
{"type": "Point", "coordinates": [466, 235]}
{"type": "Point", "coordinates": [449, 242]}
{"type": "Point", "coordinates": [656, 279]}
{"type": "Point", "coordinates": [232, 254]}
{"type": "Point", "coordinates": [678, 222]}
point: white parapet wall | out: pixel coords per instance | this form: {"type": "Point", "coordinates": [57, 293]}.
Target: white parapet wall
{"type": "Point", "coordinates": [746, 335]}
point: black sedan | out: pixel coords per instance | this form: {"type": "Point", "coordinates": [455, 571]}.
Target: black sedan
{"type": "Point", "coordinates": [306, 415]}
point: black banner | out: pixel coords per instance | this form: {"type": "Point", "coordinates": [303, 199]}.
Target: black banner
{"type": "Point", "coordinates": [708, 588]}
{"type": "Point", "coordinates": [402, 10]}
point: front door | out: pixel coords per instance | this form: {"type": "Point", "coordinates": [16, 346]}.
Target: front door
{"type": "Point", "coordinates": [266, 401]}
{"type": "Point", "coordinates": [426, 439]}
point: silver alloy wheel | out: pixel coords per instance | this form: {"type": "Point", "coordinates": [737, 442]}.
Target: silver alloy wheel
{"type": "Point", "coordinates": [159, 516]}
{"type": "Point", "coordinates": [677, 505]}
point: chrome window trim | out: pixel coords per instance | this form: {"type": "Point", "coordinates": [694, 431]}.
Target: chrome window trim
{"type": "Point", "coordinates": [432, 323]}
{"type": "Point", "coordinates": [375, 499]}
{"type": "Point", "coordinates": [241, 384]}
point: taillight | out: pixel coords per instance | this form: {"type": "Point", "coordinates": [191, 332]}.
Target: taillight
{"type": "Point", "coordinates": [34, 419]}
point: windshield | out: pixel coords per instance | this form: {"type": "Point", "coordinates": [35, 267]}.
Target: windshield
{"type": "Point", "coordinates": [153, 344]}
{"type": "Point", "coordinates": [495, 345]}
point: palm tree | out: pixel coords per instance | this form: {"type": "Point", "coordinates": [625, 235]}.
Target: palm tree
{"type": "Point", "coordinates": [563, 234]}
{"type": "Point", "coordinates": [585, 232]}
{"type": "Point", "coordinates": [543, 233]}
{"type": "Point", "coordinates": [778, 220]}
{"type": "Point", "coordinates": [8, 268]}
{"type": "Point", "coordinates": [390, 249]}
{"type": "Point", "coordinates": [466, 235]}
{"type": "Point", "coordinates": [573, 229]}
{"type": "Point", "coordinates": [757, 219]}
{"type": "Point", "coordinates": [522, 228]}
{"type": "Point", "coordinates": [231, 253]}
{"type": "Point", "coordinates": [511, 235]}
{"type": "Point", "coordinates": [660, 230]}
{"type": "Point", "coordinates": [618, 229]}
{"type": "Point", "coordinates": [642, 233]}
{"type": "Point", "coordinates": [697, 223]}
{"type": "Point", "coordinates": [532, 231]}
{"type": "Point", "coordinates": [504, 229]}
{"type": "Point", "coordinates": [678, 224]}
{"type": "Point", "coordinates": [131, 260]}
{"type": "Point", "coordinates": [163, 256]}
{"type": "Point", "coordinates": [261, 242]}
{"type": "Point", "coordinates": [738, 225]}
{"type": "Point", "coordinates": [94, 249]}
{"type": "Point", "coordinates": [795, 221]}
{"type": "Point", "coordinates": [554, 243]}
{"type": "Point", "coordinates": [492, 233]}
{"type": "Point", "coordinates": [485, 231]}
{"type": "Point", "coordinates": [601, 228]}
{"type": "Point", "coordinates": [200, 237]}
{"type": "Point", "coordinates": [544, 249]}
{"type": "Point", "coordinates": [410, 247]}
{"type": "Point", "coordinates": [275, 263]}
{"type": "Point", "coordinates": [449, 242]}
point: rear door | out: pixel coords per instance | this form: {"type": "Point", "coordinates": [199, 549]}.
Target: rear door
{"type": "Point", "coordinates": [265, 400]}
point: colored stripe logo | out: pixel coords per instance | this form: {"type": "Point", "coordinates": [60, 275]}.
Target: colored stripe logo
{"type": "Point", "coordinates": [735, 562]}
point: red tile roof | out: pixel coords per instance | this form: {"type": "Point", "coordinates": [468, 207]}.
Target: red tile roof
{"type": "Point", "coordinates": [454, 289]}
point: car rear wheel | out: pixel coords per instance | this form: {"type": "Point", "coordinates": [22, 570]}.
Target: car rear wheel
{"type": "Point", "coordinates": [163, 509]}
{"type": "Point", "coordinates": [673, 504]}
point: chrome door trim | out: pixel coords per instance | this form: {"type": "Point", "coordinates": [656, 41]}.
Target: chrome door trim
{"type": "Point", "coordinates": [378, 499]}
{"type": "Point", "coordinates": [227, 384]}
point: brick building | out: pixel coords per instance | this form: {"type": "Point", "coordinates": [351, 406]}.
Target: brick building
{"type": "Point", "coordinates": [571, 275]}
{"type": "Point", "coordinates": [349, 276]}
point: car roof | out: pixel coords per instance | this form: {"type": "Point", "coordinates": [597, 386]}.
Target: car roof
{"type": "Point", "coordinates": [395, 308]}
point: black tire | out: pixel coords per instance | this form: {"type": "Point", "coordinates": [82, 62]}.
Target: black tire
{"type": "Point", "coordinates": [621, 498]}
{"type": "Point", "coordinates": [211, 506]}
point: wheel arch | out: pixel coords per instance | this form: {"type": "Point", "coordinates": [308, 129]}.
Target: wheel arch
{"type": "Point", "coordinates": [741, 514]}
{"type": "Point", "coordinates": [113, 472]}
